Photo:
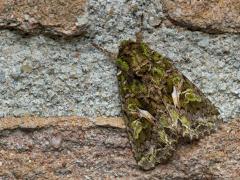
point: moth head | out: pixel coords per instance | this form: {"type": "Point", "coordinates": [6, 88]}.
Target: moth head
{"type": "Point", "coordinates": [134, 57]}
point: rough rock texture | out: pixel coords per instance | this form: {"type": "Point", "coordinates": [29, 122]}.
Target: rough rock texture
{"type": "Point", "coordinates": [77, 148]}
{"type": "Point", "coordinates": [44, 76]}
{"type": "Point", "coordinates": [66, 18]}
{"type": "Point", "coordinates": [47, 77]}
{"type": "Point", "coordinates": [216, 16]}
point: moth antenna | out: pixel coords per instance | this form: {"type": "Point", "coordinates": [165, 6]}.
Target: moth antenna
{"type": "Point", "coordinates": [139, 34]}
{"type": "Point", "coordinates": [112, 56]}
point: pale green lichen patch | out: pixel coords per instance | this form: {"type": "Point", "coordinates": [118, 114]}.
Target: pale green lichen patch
{"type": "Point", "coordinates": [190, 96]}
{"type": "Point", "coordinates": [137, 129]}
{"type": "Point", "coordinates": [26, 68]}
{"type": "Point", "coordinates": [162, 108]}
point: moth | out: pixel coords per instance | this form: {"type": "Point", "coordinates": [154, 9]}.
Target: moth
{"type": "Point", "coordinates": [161, 107]}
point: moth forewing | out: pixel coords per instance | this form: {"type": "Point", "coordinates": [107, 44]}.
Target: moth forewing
{"type": "Point", "coordinates": [168, 104]}
{"type": "Point", "coordinates": [161, 107]}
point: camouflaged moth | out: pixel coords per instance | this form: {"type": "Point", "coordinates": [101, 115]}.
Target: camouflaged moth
{"type": "Point", "coordinates": [161, 107]}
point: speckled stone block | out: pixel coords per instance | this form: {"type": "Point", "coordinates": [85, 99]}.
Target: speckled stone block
{"type": "Point", "coordinates": [58, 17]}
{"type": "Point", "coordinates": [210, 16]}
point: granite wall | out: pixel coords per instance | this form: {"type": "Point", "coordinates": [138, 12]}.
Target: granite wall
{"type": "Point", "coordinates": [48, 66]}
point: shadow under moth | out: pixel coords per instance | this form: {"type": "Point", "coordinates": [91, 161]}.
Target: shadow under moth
{"type": "Point", "coordinates": [161, 107]}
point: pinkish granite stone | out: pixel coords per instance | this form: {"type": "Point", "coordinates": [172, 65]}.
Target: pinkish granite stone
{"type": "Point", "coordinates": [215, 16]}
{"type": "Point", "coordinates": [58, 17]}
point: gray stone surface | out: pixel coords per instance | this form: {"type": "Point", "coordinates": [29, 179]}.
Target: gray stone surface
{"type": "Point", "coordinates": [47, 77]}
